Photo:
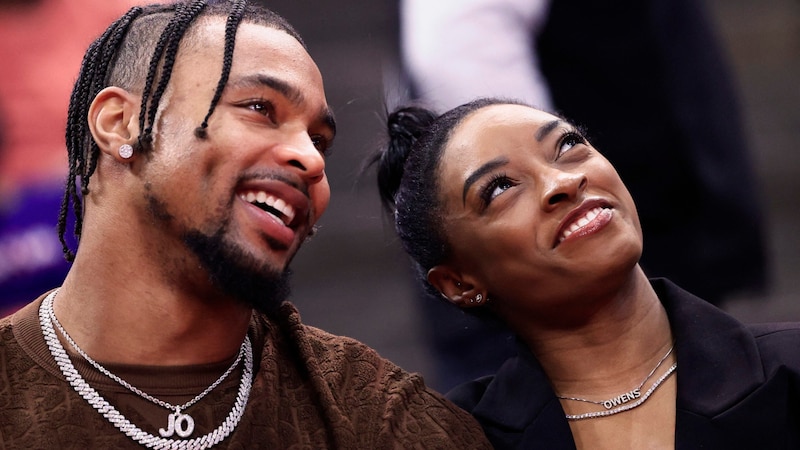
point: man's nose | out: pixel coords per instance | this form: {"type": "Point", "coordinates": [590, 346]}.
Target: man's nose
{"type": "Point", "coordinates": [299, 153]}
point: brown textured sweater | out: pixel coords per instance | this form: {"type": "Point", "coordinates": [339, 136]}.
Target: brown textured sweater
{"type": "Point", "coordinates": [311, 390]}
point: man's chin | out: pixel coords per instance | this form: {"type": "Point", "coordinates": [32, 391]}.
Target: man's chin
{"type": "Point", "coordinates": [239, 274]}
{"type": "Point", "coordinates": [263, 293]}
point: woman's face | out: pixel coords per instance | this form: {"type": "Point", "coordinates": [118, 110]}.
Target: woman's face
{"type": "Point", "coordinates": [535, 216]}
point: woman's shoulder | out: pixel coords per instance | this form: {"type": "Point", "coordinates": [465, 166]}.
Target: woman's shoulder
{"type": "Point", "coordinates": [778, 343]}
{"type": "Point", "coordinates": [775, 330]}
{"type": "Point", "coordinates": [467, 395]}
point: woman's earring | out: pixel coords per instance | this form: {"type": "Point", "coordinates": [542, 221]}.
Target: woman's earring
{"type": "Point", "coordinates": [125, 151]}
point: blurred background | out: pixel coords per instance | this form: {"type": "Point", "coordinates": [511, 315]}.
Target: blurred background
{"type": "Point", "coordinates": [352, 278]}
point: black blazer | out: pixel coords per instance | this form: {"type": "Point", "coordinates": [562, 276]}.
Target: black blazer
{"type": "Point", "coordinates": [738, 386]}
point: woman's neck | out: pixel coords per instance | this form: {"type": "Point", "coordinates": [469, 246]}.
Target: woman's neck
{"type": "Point", "coordinates": [611, 351]}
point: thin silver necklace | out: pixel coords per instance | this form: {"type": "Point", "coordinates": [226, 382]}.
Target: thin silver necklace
{"type": "Point", "coordinates": [182, 418]}
{"type": "Point", "coordinates": [627, 406]}
{"type": "Point", "coordinates": [179, 423]}
{"type": "Point", "coordinates": [626, 397]}
{"type": "Point", "coordinates": [621, 403]}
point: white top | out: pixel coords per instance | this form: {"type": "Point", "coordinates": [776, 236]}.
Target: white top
{"type": "Point", "coordinates": [458, 50]}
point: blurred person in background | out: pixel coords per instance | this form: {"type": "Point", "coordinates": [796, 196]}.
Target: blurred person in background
{"type": "Point", "coordinates": [41, 46]}
{"type": "Point", "coordinates": [650, 80]}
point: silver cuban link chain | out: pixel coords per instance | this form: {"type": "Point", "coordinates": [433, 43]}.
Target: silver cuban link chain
{"type": "Point", "coordinates": [179, 423]}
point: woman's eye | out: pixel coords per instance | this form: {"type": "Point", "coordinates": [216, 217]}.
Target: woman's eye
{"type": "Point", "coordinates": [495, 187]}
{"type": "Point", "coordinates": [568, 141]}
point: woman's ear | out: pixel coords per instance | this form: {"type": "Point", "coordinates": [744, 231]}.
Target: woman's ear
{"type": "Point", "coordinates": [112, 121]}
{"type": "Point", "coordinates": [455, 288]}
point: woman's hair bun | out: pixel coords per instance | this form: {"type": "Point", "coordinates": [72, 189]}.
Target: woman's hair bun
{"type": "Point", "coordinates": [405, 126]}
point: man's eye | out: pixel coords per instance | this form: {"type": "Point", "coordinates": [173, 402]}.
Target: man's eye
{"type": "Point", "coordinates": [262, 107]}
{"type": "Point", "coordinates": [322, 144]}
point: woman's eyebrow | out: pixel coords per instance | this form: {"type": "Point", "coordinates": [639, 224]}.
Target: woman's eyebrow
{"type": "Point", "coordinates": [542, 132]}
{"type": "Point", "coordinates": [481, 171]}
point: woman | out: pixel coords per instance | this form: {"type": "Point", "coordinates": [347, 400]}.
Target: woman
{"type": "Point", "coordinates": [509, 211]}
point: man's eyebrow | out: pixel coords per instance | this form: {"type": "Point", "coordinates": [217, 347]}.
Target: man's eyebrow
{"type": "Point", "coordinates": [257, 80]}
{"type": "Point", "coordinates": [481, 171]}
{"type": "Point", "coordinates": [542, 132]}
{"type": "Point", "coordinates": [326, 118]}
{"type": "Point", "coordinates": [292, 93]}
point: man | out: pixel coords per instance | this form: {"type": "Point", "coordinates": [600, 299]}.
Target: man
{"type": "Point", "coordinates": [171, 329]}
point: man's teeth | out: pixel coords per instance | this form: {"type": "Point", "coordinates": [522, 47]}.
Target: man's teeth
{"type": "Point", "coordinates": [262, 198]}
{"type": "Point", "coordinates": [581, 222]}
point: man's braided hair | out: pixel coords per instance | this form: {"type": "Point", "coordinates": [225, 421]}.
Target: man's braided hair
{"type": "Point", "coordinates": [144, 38]}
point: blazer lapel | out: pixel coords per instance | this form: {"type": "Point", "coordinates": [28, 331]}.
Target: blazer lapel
{"type": "Point", "coordinates": [725, 387]}
{"type": "Point", "coordinates": [520, 404]}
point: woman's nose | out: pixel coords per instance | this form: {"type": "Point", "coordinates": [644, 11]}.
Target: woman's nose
{"type": "Point", "coordinates": [561, 186]}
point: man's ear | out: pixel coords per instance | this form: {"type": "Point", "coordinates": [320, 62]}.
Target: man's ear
{"type": "Point", "coordinates": [113, 120]}
{"type": "Point", "coordinates": [456, 288]}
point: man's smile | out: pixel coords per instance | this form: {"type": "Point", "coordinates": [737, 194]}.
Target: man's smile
{"type": "Point", "coordinates": [271, 204]}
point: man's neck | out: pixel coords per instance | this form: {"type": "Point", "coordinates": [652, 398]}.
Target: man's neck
{"type": "Point", "coordinates": [141, 321]}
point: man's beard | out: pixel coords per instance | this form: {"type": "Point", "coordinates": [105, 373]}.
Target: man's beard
{"type": "Point", "coordinates": [230, 268]}
{"type": "Point", "coordinates": [237, 273]}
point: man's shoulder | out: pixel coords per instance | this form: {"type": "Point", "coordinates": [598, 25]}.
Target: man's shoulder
{"type": "Point", "coordinates": [335, 356]}
{"type": "Point", "coordinates": [322, 342]}
{"type": "Point", "coordinates": [7, 340]}
{"type": "Point", "coordinates": [388, 406]}
{"type": "Point", "coordinates": [25, 385]}
{"type": "Point", "coordinates": [5, 327]}
{"type": "Point", "coordinates": [334, 352]}
{"type": "Point", "coordinates": [339, 346]}
{"type": "Point", "coordinates": [12, 326]}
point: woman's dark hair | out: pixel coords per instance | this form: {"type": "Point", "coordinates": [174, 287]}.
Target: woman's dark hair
{"type": "Point", "coordinates": [408, 181]}
{"type": "Point", "coordinates": [137, 53]}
